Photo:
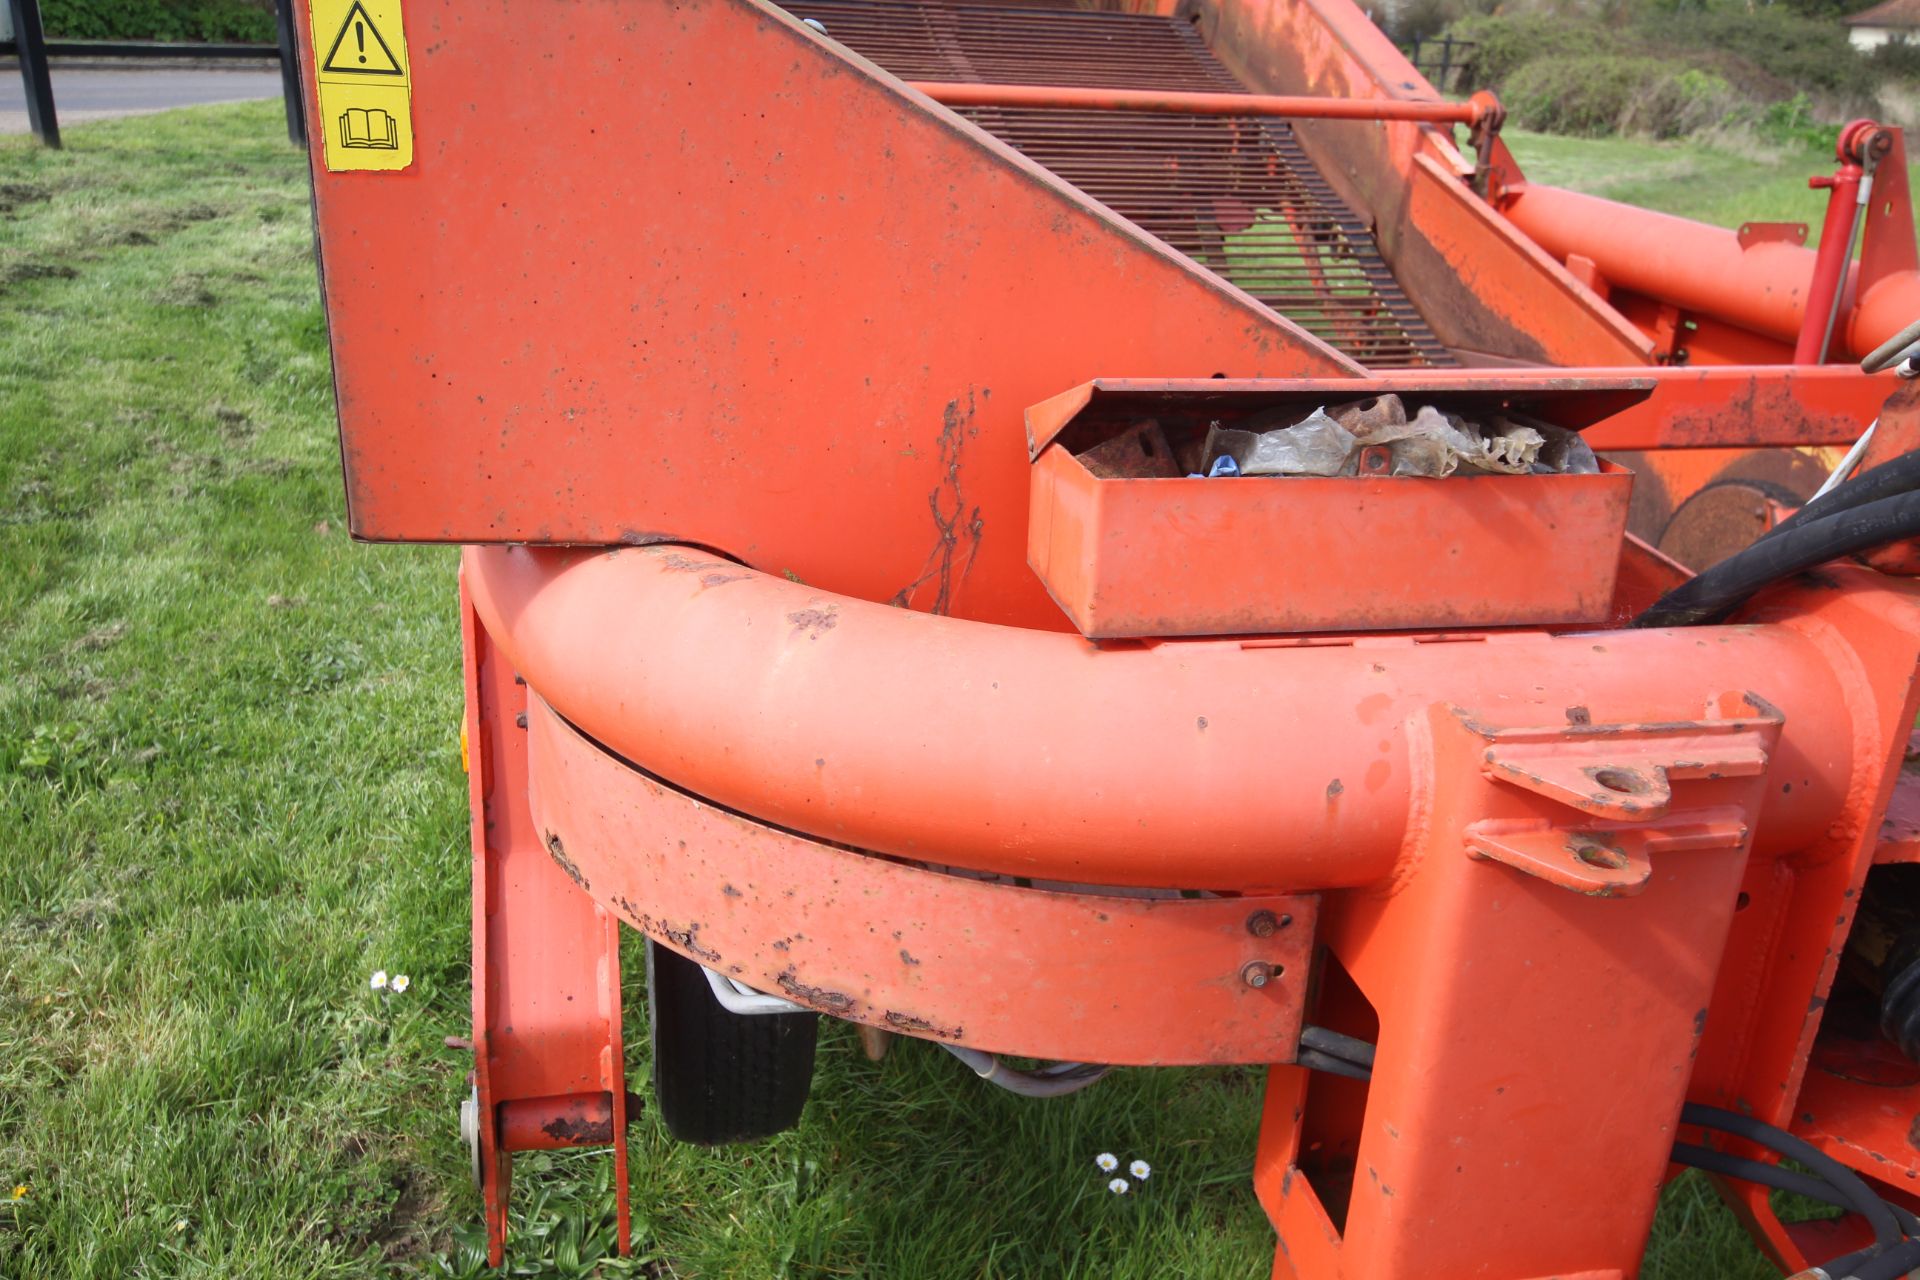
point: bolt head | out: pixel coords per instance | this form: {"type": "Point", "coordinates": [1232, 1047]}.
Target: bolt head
{"type": "Point", "coordinates": [1261, 924]}
{"type": "Point", "coordinates": [1256, 974]}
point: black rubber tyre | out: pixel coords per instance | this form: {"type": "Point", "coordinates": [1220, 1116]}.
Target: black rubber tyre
{"type": "Point", "coordinates": [1900, 999]}
{"type": "Point", "coordinates": [719, 1077]}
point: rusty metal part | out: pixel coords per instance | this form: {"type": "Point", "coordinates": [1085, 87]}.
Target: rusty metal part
{"type": "Point", "coordinates": [1488, 293]}
{"type": "Point", "coordinates": [1724, 518]}
{"type": "Point", "coordinates": [1042, 973]}
{"type": "Point", "coordinates": [1234, 193]}
{"type": "Point", "coordinates": [1171, 102]}
{"type": "Point", "coordinates": [551, 1124]}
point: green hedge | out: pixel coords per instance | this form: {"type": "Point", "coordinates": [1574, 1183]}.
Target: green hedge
{"type": "Point", "coordinates": [1804, 53]}
{"type": "Point", "coordinates": [1505, 43]}
{"type": "Point", "coordinates": [1613, 93]}
{"type": "Point", "coordinates": [241, 21]}
{"type": "Point", "coordinates": [1667, 73]}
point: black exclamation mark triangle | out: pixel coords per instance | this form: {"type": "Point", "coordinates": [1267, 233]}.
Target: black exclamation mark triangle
{"type": "Point", "coordinates": [359, 49]}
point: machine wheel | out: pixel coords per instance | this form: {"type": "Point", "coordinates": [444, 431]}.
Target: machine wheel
{"type": "Point", "coordinates": [722, 1077]}
{"type": "Point", "coordinates": [1900, 999]}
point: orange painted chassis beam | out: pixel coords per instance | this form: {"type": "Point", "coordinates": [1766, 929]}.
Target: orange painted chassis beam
{"type": "Point", "coordinates": [725, 732]}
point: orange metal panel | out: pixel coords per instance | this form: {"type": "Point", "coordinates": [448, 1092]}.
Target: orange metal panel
{"type": "Point", "coordinates": [1866, 1125]}
{"type": "Point", "coordinates": [1742, 405]}
{"type": "Point", "coordinates": [1195, 557]}
{"type": "Point", "coordinates": [693, 272]}
{"type": "Point", "coordinates": [1086, 976]}
{"type": "Point", "coordinates": [1525, 304]}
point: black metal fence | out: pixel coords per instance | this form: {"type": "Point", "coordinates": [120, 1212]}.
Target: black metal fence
{"type": "Point", "coordinates": [1438, 57]}
{"type": "Point", "coordinates": [28, 43]}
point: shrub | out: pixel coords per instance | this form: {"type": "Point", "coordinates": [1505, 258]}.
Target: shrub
{"type": "Point", "coordinates": [1504, 44]}
{"type": "Point", "coordinates": [1803, 53]}
{"type": "Point", "coordinates": [243, 21]}
{"type": "Point", "coordinates": [1896, 60]}
{"type": "Point", "coordinates": [1616, 93]}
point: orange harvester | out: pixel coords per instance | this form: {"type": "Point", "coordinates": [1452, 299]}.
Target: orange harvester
{"type": "Point", "coordinates": [772, 364]}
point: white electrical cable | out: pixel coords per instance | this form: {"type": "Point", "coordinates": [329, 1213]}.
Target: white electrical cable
{"type": "Point", "coordinates": [1847, 464]}
{"type": "Point", "coordinates": [744, 1000]}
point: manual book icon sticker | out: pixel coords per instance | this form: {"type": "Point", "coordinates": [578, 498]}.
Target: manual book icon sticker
{"type": "Point", "coordinates": [363, 82]}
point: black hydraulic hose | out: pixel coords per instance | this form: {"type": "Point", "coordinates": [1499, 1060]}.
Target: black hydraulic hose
{"type": "Point", "coordinates": [1720, 590]}
{"type": "Point", "coordinates": [1891, 1265]}
{"type": "Point", "coordinates": [1709, 1160]}
{"type": "Point", "coordinates": [1896, 476]}
{"type": "Point", "coordinates": [1859, 1196]}
{"type": "Point", "coordinates": [1334, 1045]}
{"type": "Point", "coordinates": [1314, 1060]}
{"type": "Point", "coordinates": [1772, 1175]}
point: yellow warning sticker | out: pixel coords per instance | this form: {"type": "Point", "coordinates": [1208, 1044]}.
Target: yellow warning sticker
{"type": "Point", "coordinates": [360, 65]}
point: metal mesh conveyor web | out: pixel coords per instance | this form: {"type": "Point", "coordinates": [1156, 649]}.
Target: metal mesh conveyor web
{"type": "Point", "coordinates": [1235, 193]}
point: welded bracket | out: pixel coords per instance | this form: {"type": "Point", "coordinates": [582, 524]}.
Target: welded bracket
{"type": "Point", "coordinates": [1619, 779]}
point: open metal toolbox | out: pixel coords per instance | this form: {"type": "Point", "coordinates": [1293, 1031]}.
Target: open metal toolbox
{"type": "Point", "coordinates": [1127, 555]}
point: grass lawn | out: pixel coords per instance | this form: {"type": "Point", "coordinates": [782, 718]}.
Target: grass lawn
{"type": "Point", "coordinates": [1728, 188]}
{"type": "Point", "coordinates": [228, 752]}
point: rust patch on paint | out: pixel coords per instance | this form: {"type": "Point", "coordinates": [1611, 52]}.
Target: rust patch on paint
{"type": "Point", "coordinates": [559, 853]}
{"type": "Point", "coordinates": [579, 1131]}
{"type": "Point", "coordinates": [918, 1026]}
{"type": "Point", "coordinates": [954, 523]}
{"type": "Point", "coordinates": [812, 622]}
{"type": "Point", "coordinates": [837, 1001]}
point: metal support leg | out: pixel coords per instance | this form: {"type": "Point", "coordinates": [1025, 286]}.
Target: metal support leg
{"type": "Point", "coordinates": [1539, 980]}
{"type": "Point", "coordinates": [290, 73]}
{"type": "Point", "coordinates": [31, 42]}
{"type": "Point", "coordinates": [549, 1067]}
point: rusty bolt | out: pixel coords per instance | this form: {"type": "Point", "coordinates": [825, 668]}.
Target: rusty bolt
{"type": "Point", "coordinates": [1257, 974]}
{"type": "Point", "coordinates": [1261, 924]}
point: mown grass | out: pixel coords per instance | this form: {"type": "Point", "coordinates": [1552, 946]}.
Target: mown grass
{"type": "Point", "coordinates": [229, 763]}
{"type": "Point", "coordinates": [1743, 180]}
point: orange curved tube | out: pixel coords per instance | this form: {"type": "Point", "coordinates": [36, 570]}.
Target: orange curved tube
{"type": "Point", "coordinates": [1200, 764]}
{"type": "Point", "coordinates": [1703, 269]}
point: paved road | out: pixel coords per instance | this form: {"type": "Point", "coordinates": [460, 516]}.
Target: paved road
{"type": "Point", "coordinates": [82, 94]}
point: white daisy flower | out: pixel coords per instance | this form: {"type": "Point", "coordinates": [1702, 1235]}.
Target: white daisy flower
{"type": "Point", "coordinates": [1141, 1170]}
{"type": "Point", "coordinates": [1107, 1161]}
{"type": "Point", "coordinates": [179, 1225]}
{"type": "Point", "coordinates": [401, 982]}
{"type": "Point", "coordinates": [379, 980]}
{"type": "Point", "coordinates": [1119, 1186]}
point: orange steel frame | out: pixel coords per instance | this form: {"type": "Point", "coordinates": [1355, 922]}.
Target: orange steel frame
{"type": "Point", "coordinates": [752, 325]}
